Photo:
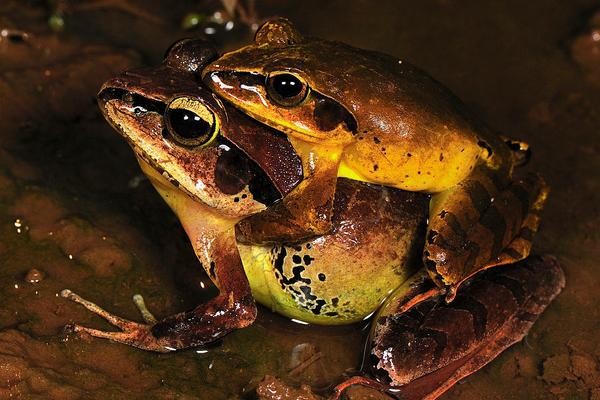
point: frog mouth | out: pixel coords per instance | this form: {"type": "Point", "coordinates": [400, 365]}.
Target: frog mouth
{"type": "Point", "coordinates": [137, 105]}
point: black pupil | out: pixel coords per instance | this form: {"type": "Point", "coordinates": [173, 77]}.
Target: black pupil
{"type": "Point", "coordinates": [188, 124]}
{"type": "Point", "coordinates": [287, 85]}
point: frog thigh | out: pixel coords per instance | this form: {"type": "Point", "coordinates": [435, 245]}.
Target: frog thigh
{"type": "Point", "coordinates": [482, 222]}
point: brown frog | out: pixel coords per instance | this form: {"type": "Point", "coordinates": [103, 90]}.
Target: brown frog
{"type": "Point", "coordinates": [215, 167]}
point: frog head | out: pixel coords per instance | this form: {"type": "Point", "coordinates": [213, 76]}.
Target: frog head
{"type": "Point", "coordinates": [284, 80]}
{"type": "Point", "coordinates": [189, 143]}
{"type": "Point", "coordinates": [388, 121]}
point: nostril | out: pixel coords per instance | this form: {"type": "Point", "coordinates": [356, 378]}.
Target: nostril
{"type": "Point", "coordinates": [127, 98]}
{"type": "Point", "coordinates": [14, 36]}
{"type": "Point", "coordinates": [109, 93]}
{"type": "Point", "coordinates": [140, 103]}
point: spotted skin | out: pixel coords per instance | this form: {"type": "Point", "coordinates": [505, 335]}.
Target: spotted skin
{"type": "Point", "coordinates": [297, 268]}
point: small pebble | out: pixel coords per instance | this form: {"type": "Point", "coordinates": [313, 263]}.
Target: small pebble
{"type": "Point", "coordinates": [34, 276]}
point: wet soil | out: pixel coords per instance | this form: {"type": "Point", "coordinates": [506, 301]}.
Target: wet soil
{"type": "Point", "coordinates": [76, 212]}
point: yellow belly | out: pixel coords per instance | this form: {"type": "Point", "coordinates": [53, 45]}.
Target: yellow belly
{"type": "Point", "coordinates": [331, 290]}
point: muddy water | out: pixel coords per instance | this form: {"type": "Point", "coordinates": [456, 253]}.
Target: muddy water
{"type": "Point", "coordinates": [76, 212]}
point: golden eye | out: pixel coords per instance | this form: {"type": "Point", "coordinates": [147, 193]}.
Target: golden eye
{"type": "Point", "coordinates": [286, 89]}
{"type": "Point", "coordinates": [190, 122]}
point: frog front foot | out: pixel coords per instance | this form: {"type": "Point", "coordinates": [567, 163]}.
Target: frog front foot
{"type": "Point", "coordinates": [206, 323]}
{"type": "Point", "coordinates": [303, 213]}
{"type": "Point", "coordinates": [284, 222]}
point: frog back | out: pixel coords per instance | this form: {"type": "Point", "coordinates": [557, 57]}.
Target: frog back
{"type": "Point", "coordinates": [412, 133]}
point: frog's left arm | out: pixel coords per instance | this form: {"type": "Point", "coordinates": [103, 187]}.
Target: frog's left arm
{"type": "Point", "coordinates": [233, 308]}
{"type": "Point", "coordinates": [486, 220]}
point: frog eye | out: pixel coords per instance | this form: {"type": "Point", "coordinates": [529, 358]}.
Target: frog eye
{"type": "Point", "coordinates": [190, 122]}
{"type": "Point", "coordinates": [286, 89]}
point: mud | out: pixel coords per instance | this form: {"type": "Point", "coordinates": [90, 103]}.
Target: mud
{"type": "Point", "coordinates": [75, 211]}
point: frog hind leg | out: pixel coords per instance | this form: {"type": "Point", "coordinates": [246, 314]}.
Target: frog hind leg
{"type": "Point", "coordinates": [425, 349]}
{"type": "Point", "coordinates": [481, 223]}
{"type": "Point", "coordinates": [233, 308]}
{"type": "Point", "coordinates": [520, 246]}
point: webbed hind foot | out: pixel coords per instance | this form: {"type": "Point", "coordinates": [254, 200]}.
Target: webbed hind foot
{"type": "Point", "coordinates": [425, 349]}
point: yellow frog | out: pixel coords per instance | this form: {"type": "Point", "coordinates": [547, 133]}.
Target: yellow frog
{"type": "Point", "coordinates": [371, 117]}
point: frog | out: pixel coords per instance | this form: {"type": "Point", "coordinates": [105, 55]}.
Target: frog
{"type": "Point", "coordinates": [214, 166]}
{"type": "Point", "coordinates": [372, 117]}
{"type": "Point", "coordinates": [184, 143]}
